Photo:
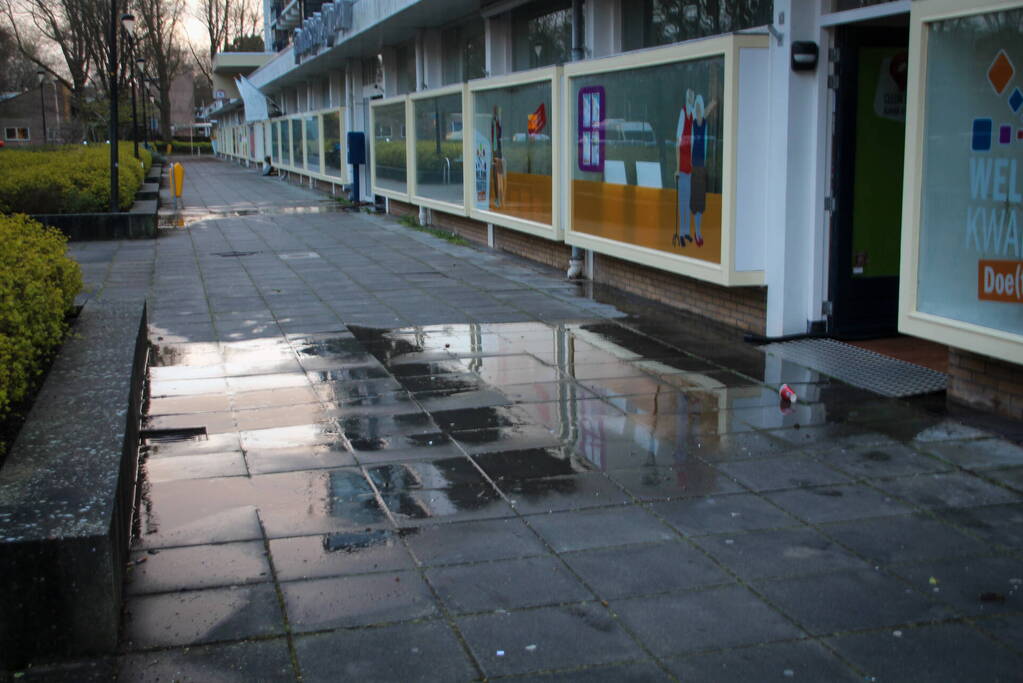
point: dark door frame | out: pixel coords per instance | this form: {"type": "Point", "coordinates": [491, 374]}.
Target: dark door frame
{"type": "Point", "coordinates": [860, 307]}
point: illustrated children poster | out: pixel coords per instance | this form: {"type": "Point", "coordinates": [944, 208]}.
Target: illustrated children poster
{"type": "Point", "coordinates": [649, 167]}
{"type": "Point", "coordinates": [971, 249]}
{"type": "Point", "coordinates": [513, 142]}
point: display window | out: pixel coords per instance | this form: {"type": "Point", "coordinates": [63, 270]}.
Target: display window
{"type": "Point", "coordinates": [389, 158]}
{"type": "Point", "coordinates": [438, 145]}
{"type": "Point", "coordinates": [659, 170]}
{"type": "Point", "coordinates": [962, 271]}
{"type": "Point", "coordinates": [515, 132]}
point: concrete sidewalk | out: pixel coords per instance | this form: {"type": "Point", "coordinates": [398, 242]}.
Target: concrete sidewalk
{"type": "Point", "coordinates": [376, 455]}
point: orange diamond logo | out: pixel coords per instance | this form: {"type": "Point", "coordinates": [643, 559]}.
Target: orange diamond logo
{"type": "Point", "coordinates": [1001, 72]}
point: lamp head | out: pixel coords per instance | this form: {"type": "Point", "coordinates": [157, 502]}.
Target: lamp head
{"type": "Point", "coordinates": [128, 23]}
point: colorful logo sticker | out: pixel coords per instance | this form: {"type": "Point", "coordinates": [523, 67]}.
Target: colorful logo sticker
{"type": "Point", "coordinates": [999, 76]}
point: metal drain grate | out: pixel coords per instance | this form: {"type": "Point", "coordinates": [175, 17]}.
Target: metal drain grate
{"type": "Point", "coordinates": [859, 367]}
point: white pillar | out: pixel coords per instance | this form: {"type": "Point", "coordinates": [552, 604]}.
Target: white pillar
{"type": "Point", "coordinates": [791, 223]}
{"type": "Point", "coordinates": [603, 27]}
{"type": "Point", "coordinates": [498, 42]}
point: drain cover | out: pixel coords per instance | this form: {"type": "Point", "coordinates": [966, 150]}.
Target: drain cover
{"type": "Point", "coordinates": [234, 254]}
{"type": "Point", "coordinates": [859, 367]}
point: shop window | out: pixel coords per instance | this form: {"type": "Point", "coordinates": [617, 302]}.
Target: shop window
{"type": "Point", "coordinates": [332, 158]}
{"type": "Point", "coordinates": [542, 35]}
{"type": "Point", "coordinates": [513, 153]}
{"type": "Point", "coordinates": [17, 134]}
{"type": "Point", "coordinates": [296, 143]}
{"type": "Point", "coordinates": [463, 55]}
{"type": "Point", "coordinates": [275, 141]}
{"type": "Point", "coordinates": [648, 23]}
{"type": "Point", "coordinates": [390, 155]}
{"type": "Point", "coordinates": [652, 151]}
{"type": "Point", "coordinates": [312, 144]}
{"type": "Point", "coordinates": [971, 190]}
{"type": "Point", "coordinates": [439, 148]}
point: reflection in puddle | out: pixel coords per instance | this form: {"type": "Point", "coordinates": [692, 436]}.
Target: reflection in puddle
{"type": "Point", "coordinates": [415, 423]}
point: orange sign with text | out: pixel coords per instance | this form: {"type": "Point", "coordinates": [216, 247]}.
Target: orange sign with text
{"type": "Point", "coordinates": [1000, 281]}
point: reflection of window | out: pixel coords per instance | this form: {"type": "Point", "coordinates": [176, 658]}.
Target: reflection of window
{"type": "Point", "coordinates": [16, 134]}
{"type": "Point", "coordinates": [542, 35]}
{"type": "Point", "coordinates": [406, 58]}
{"type": "Point", "coordinates": [463, 57]}
{"type": "Point", "coordinates": [332, 143]}
{"type": "Point", "coordinates": [646, 23]}
{"type": "Point", "coordinates": [372, 71]}
{"type": "Point", "coordinates": [842, 5]}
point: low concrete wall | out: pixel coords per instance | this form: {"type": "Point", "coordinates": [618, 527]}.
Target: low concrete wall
{"type": "Point", "coordinates": [67, 492]}
{"type": "Point", "coordinates": [140, 222]}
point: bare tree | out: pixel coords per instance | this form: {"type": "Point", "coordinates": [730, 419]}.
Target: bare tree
{"type": "Point", "coordinates": [160, 45]}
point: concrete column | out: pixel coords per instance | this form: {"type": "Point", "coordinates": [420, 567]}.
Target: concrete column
{"type": "Point", "coordinates": [433, 56]}
{"type": "Point", "coordinates": [390, 84]}
{"type": "Point", "coordinates": [791, 226]}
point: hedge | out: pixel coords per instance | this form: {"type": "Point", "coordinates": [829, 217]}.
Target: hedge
{"type": "Point", "coordinates": [69, 179]}
{"type": "Point", "coordinates": [38, 284]}
{"type": "Point", "coordinates": [184, 147]}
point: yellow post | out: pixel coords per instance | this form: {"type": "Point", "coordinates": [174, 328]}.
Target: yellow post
{"type": "Point", "coordinates": [178, 176]}
{"type": "Point", "coordinates": [169, 148]}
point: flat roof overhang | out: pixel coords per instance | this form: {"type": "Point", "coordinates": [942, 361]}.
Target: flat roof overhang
{"type": "Point", "coordinates": [392, 30]}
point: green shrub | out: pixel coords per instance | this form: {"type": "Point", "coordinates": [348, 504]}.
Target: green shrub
{"type": "Point", "coordinates": [38, 284]}
{"type": "Point", "coordinates": [70, 179]}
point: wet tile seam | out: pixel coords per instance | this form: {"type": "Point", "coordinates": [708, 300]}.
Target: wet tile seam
{"type": "Point", "coordinates": [281, 603]}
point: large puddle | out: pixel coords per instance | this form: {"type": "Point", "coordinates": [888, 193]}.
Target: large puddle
{"type": "Point", "coordinates": [372, 429]}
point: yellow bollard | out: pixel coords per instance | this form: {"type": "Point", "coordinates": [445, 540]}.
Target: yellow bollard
{"type": "Point", "coordinates": [178, 176]}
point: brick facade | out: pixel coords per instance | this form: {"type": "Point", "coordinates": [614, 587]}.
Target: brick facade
{"type": "Point", "coordinates": [985, 383]}
{"type": "Point", "coordinates": [744, 308]}
{"type": "Point", "coordinates": [741, 307]}
{"type": "Point", "coordinates": [554, 254]}
{"type": "Point", "coordinates": [470, 229]}
{"type": "Point", "coordinates": [25, 111]}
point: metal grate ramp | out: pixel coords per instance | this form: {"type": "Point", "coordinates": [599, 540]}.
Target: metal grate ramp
{"type": "Point", "coordinates": [859, 367]}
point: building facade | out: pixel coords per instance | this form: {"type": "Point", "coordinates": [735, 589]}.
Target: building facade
{"type": "Point", "coordinates": [22, 116]}
{"type": "Point", "coordinates": [847, 167]}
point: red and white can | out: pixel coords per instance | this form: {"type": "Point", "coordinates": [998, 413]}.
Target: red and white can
{"type": "Point", "coordinates": [787, 394]}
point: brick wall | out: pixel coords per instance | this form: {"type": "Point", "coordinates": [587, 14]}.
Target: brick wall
{"type": "Point", "coordinates": [985, 383]}
{"type": "Point", "coordinates": [554, 254]}
{"type": "Point", "coordinates": [744, 308]}
{"type": "Point", "coordinates": [397, 208]}
{"type": "Point", "coordinates": [741, 307]}
{"type": "Point", "coordinates": [470, 229]}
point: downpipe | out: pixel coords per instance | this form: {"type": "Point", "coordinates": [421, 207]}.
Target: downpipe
{"type": "Point", "coordinates": [575, 261]}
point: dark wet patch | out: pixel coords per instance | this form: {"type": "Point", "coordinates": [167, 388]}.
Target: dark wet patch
{"type": "Point", "coordinates": [830, 493]}
{"type": "Point", "coordinates": [234, 254]}
{"type": "Point", "coordinates": [477, 418]}
{"type": "Point", "coordinates": [449, 384]}
{"type": "Point", "coordinates": [527, 464]}
{"type": "Point", "coordinates": [877, 456]}
{"type": "Point", "coordinates": [437, 474]}
{"type": "Point", "coordinates": [354, 541]}
{"type": "Point", "coordinates": [430, 504]}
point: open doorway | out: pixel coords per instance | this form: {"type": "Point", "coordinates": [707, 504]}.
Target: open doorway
{"type": "Point", "coordinates": [870, 131]}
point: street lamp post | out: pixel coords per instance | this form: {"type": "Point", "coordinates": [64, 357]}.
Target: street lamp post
{"type": "Point", "coordinates": [115, 205]}
{"type": "Point", "coordinates": [134, 112]}
{"type": "Point", "coordinates": [144, 95]}
{"type": "Point", "coordinates": [42, 102]}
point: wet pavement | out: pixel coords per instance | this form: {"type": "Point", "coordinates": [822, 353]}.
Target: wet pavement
{"type": "Point", "coordinates": [373, 455]}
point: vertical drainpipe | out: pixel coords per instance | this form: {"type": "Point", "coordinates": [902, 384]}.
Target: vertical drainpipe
{"type": "Point", "coordinates": [575, 261]}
